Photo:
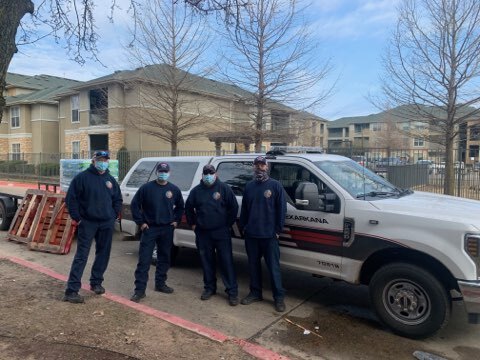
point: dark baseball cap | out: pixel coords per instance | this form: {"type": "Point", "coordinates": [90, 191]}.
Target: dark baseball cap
{"type": "Point", "coordinates": [163, 167]}
{"type": "Point", "coordinates": [209, 169]}
{"type": "Point", "coordinates": [260, 160]}
{"type": "Point", "coordinates": [101, 154]}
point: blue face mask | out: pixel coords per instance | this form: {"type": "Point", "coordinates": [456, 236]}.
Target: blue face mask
{"type": "Point", "coordinates": [208, 179]}
{"type": "Point", "coordinates": [101, 165]}
{"type": "Point", "coordinates": [163, 176]}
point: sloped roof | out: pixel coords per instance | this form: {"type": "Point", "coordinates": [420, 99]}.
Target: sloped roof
{"type": "Point", "coordinates": [158, 74]}
{"type": "Point", "coordinates": [44, 87]}
{"type": "Point", "coordinates": [398, 114]}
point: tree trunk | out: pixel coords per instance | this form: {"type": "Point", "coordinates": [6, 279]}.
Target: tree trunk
{"type": "Point", "coordinates": [449, 181]}
{"type": "Point", "coordinates": [11, 12]}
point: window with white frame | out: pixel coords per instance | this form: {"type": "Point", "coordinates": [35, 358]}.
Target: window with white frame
{"type": "Point", "coordinates": [417, 142]}
{"type": "Point", "coordinates": [75, 149]}
{"type": "Point", "coordinates": [75, 104]}
{"type": "Point", "coordinates": [376, 126]}
{"type": "Point", "coordinates": [15, 117]}
{"type": "Point", "coordinates": [15, 152]}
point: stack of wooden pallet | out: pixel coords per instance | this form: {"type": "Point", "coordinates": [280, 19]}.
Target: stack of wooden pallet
{"type": "Point", "coordinates": [42, 222]}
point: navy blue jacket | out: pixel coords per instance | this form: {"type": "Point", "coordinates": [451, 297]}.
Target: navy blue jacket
{"type": "Point", "coordinates": [263, 209]}
{"type": "Point", "coordinates": [94, 196]}
{"type": "Point", "coordinates": [156, 204]}
{"type": "Point", "coordinates": [211, 207]}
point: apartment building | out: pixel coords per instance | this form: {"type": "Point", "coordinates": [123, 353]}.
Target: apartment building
{"type": "Point", "coordinates": [132, 109]}
{"type": "Point", "coordinates": [30, 120]}
{"type": "Point", "coordinates": [381, 132]}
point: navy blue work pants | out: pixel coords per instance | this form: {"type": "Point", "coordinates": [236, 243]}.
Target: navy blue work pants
{"type": "Point", "coordinates": [102, 232]}
{"type": "Point", "coordinates": [216, 245]}
{"type": "Point", "coordinates": [269, 249]}
{"type": "Point", "coordinates": [162, 236]}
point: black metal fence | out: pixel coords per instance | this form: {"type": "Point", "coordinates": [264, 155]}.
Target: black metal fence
{"type": "Point", "coordinates": [422, 170]}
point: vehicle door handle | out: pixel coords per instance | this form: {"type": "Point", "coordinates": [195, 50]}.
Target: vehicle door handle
{"type": "Point", "coordinates": [301, 202]}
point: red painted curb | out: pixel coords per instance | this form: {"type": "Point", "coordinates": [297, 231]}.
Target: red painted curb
{"type": "Point", "coordinates": [250, 348]}
{"type": "Point", "coordinates": [18, 184]}
{"type": "Point", "coordinates": [22, 185]}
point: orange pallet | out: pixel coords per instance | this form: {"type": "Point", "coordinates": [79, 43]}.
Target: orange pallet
{"type": "Point", "coordinates": [23, 222]}
{"type": "Point", "coordinates": [54, 230]}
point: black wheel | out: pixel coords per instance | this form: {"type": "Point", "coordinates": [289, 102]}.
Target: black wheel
{"type": "Point", "coordinates": [410, 300]}
{"type": "Point", "coordinates": [4, 220]}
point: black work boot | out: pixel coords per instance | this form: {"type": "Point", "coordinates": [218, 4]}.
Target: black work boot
{"type": "Point", "coordinates": [97, 289]}
{"type": "Point", "coordinates": [250, 298]}
{"type": "Point", "coordinates": [233, 300]}
{"type": "Point", "coordinates": [136, 297]}
{"type": "Point", "coordinates": [207, 294]}
{"type": "Point", "coordinates": [279, 305]}
{"type": "Point", "coordinates": [164, 289]}
{"type": "Point", "coordinates": [73, 298]}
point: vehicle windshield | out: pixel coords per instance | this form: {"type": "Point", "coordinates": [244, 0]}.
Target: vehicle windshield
{"type": "Point", "coordinates": [360, 182]}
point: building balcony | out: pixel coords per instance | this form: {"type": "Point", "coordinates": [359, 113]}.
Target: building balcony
{"type": "Point", "coordinates": [98, 117]}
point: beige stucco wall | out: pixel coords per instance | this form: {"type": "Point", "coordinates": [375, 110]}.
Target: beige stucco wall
{"type": "Point", "coordinates": [3, 146]}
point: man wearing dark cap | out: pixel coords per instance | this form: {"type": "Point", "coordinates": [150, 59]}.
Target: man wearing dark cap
{"type": "Point", "coordinates": [261, 221]}
{"type": "Point", "coordinates": [211, 210]}
{"type": "Point", "coordinates": [157, 208]}
{"type": "Point", "coordinates": [94, 201]}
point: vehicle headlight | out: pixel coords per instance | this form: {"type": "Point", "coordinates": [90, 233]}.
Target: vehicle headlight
{"type": "Point", "coordinates": [472, 247]}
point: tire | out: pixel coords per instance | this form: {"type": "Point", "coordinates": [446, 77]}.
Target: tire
{"type": "Point", "coordinates": [426, 303]}
{"type": "Point", "coordinates": [4, 219]}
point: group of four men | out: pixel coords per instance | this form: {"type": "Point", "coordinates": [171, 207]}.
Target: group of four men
{"type": "Point", "coordinates": [94, 202]}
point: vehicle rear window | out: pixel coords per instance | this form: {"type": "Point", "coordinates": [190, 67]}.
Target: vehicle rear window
{"type": "Point", "coordinates": [181, 173]}
{"type": "Point", "coordinates": [141, 174]}
{"type": "Point", "coordinates": [236, 174]}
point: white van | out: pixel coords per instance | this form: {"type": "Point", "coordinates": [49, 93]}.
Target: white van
{"type": "Point", "coordinates": [415, 250]}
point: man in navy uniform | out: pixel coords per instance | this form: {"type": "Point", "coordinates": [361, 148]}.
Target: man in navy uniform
{"type": "Point", "coordinates": [261, 221]}
{"type": "Point", "coordinates": [94, 201]}
{"type": "Point", "coordinates": [157, 208]}
{"type": "Point", "coordinates": [211, 210]}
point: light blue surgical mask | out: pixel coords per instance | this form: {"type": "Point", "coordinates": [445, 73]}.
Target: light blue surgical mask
{"type": "Point", "coordinates": [208, 179]}
{"type": "Point", "coordinates": [101, 165]}
{"type": "Point", "coordinates": [163, 176]}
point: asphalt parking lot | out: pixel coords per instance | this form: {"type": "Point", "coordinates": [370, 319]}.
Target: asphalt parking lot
{"type": "Point", "coordinates": [324, 318]}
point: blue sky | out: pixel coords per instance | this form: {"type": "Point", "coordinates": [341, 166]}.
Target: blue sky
{"type": "Point", "coordinates": [353, 33]}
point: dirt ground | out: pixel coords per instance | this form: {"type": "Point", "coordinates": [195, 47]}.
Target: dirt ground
{"type": "Point", "coordinates": [36, 324]}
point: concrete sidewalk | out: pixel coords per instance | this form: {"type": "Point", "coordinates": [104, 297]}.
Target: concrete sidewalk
{"type": "Point", "coordinates": [105, 327]}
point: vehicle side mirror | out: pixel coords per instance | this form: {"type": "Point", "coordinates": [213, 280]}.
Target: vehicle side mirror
{"type": "Point", "coordinates": [328, 200]}
{"type": "Point", "coordinates": [306, 196]}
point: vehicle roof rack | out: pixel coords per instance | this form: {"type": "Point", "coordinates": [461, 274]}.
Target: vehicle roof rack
{"type": "Point", "coordinates": [282, 150]}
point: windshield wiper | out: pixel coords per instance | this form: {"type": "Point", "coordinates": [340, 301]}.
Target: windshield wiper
{"type": "Point", "coordinates": [377, 193]}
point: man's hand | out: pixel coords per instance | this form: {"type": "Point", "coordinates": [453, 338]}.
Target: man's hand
{"type": "Point", "coordinates": [144, 226]}
{"type": "Point", "coordinates": [75, 222]}
{"type": "Point", "coordinates": [174, 224]}
{"type": "Point", "coordinates": [193, 227]}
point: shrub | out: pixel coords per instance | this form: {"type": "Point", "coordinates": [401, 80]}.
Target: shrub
{"type": "Point", "coordinates": [123, 157]}
{"type": "Point", "coordinates": [48, 169]}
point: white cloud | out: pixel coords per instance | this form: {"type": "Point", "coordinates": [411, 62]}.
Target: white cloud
{"type": "Point", "coordinates": [355, 18]}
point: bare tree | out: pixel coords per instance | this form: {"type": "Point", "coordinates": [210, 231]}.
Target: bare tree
{"type": "Point", "coordinates": [433, 66]}
{"type": "Point", "coordinates": [272, 55]}
{"type": "Point", "coordinates": [74, 22]}
{"type": "Point", "coordinates": [170, 44]}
